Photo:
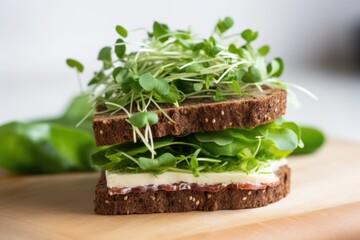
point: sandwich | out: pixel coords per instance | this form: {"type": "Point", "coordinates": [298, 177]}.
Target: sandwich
{"type": "Point", "coordinates": [190, 124]}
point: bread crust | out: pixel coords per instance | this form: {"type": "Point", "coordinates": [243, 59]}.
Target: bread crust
{"type": "Point", "coordinates": [188, 200]}
{"type": "Point", "coordinates": [193, 117]}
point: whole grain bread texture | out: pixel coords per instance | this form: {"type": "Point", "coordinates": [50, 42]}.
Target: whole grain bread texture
{"type": "Point", "coordinates": [195, 116]}
{"type": "Point", "coordinates": [188, 200]}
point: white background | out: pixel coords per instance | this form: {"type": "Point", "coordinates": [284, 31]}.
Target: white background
{"type": "Point", "coordinates": [37, 36]}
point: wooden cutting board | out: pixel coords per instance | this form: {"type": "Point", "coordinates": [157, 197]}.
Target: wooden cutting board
{"type": "Point", "coordinates": [324, 203]}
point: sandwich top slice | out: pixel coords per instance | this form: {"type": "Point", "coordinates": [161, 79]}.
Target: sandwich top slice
{"type": "Point", "coordinates": [189, 123]}
{"type": "Point", "coordinates": [197, 116]}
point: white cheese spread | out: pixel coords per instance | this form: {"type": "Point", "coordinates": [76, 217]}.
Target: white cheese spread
{"type": "Point", "coordinates": [266, 175]}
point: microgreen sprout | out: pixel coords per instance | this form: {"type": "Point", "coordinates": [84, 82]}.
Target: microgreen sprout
{"type": "Point", "coordinates": [78, 67]}
{"type": "Point", "coordinates": [171, 66]}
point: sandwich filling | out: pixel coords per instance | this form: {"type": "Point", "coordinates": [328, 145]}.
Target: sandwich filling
{"type": "Point", "coordinates": [123, 183]}
{"type": "Point", "coordinates": [208, 161]}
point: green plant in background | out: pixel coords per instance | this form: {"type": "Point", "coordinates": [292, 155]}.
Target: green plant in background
{"type": "Point", "coordinates": [312, 138]}
{"type": "Point", "coordinates": [49, 145]}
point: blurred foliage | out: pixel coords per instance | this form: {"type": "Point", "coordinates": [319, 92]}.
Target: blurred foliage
{"type": "Point", "coordinates": [312, 138]}
{"type": "Point", "coordinates": [49, 145]}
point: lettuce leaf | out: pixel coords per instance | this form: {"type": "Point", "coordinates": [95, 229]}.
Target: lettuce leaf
{"type": "Point", "coordinates": [237, 149]}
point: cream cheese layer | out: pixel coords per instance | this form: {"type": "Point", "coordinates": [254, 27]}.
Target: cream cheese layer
{"type": "Point", "coordinates": [265, 175]}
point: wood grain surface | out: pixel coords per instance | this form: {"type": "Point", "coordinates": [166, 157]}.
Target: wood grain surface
{"type": "Point", "coordinates": [324, 203]}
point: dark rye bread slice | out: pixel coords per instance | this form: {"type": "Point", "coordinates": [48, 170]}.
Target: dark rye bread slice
{"type": "Point", "coordinates": [198, 116]}
{"type": "Point", "coordinates": [188, 200]}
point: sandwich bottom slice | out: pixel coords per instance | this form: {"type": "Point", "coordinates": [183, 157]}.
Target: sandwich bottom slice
{"type": "Point", "coordinates": [228, 169]}
{"type": "Point", "coordinates": [108, 202]}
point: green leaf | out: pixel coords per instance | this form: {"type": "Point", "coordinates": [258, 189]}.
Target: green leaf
{"type": "Point", "coordinates": [99, 159]}
{"type": "Point", "coordinates": [264, 50]}
{"type": "Point", "coordinates": [198, 46]}
{"type": "Point", "coordinates": [165, 160]}
{"type": "Point", "coordinates": [119, 74]}
{"type": "Point", "coordinates": [239, 74]}
{"type": "Point", "coordinates": [312, 138]}
{"type": "Point", "coordinates": [211, 48]}
{"type": "Point", "coordinates": [75, 64]}
{"type": "Point", "coordinates": [284, 139]}
{"type": "Point", "coordinates": [184, 86]}
{"type": "Point", "coordinates": [232, 48]}
{"type": "Point", "coordinates": [207, 82]}
{"type": "Point", "coordinates": [105, 54]}
{"type": "Point", "coordinates": [275, 67]}
{"type": "Point", "coordinates": [295, 128]}
{"type": "Point", "coordinates": [39, 148]}
{"type": "Point", "coordinates": [128, 84]}
{"type": "Point", "coordinates": [160, 31]}
{"type": "Point", "coordinates": [257, 72]}
{"type": "Point", "coordinates": [228, 22]}
{"type": "Point", "coordinates": [249, 35]}
{"type": "Point", "coordinates": [147, 81]}
{"type": "Point", "coordinates": [198, 86]}
{"type": "Point", "coordinates": [193, 68]}
{"type": "Point", "coordinates": [120, 49]}
{"type": "Point", "coordinates": [244, 54]}
{"type": "Point", "coordinates": [224, 25]}
{"type": "Point", "coordinates": [161, 87]}
{"type": "Point", "coordinates": [116, 71]}
{"type": "Point", "coordinates": [119, 78]}
{"type": "Point", "coordinates": [152, 118]}
{"type": "Point", "coordinates": [121, 31]}
{"type": "Point", "coordinates": [172, 97]}
{"type": "Point", "coordinates": [220, 138]}
{"type": "Point", "coordinates": [105, 57]}
{"type": "Point", "coordinates": [226, 145]}
{"type": "Point", "coordinates": [236, 87]}
{"type": "Point", "coordinates": [140, 119]}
